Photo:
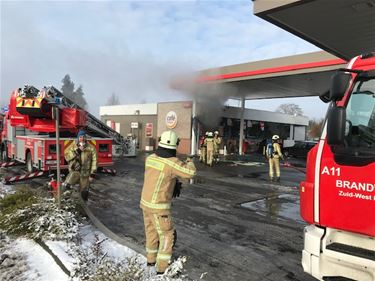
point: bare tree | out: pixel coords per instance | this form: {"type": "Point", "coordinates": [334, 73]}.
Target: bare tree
{"type": "Point", "coordinates": [113, 100]}
{"type": "Point", "coordinates": [290, 108]}
{"type": "Point", "coordinates": [315, 128]}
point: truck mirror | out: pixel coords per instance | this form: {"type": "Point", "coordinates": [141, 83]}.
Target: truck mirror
{"type": "Point", "coordinates": [325, 97]}
{"type": "Point", "coordinates": [339, 85]}
{"type": "Point", "coordinates": [336, 125]}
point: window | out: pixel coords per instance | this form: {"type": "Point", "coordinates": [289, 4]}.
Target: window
{"type": "Point", "coordinates": [360, 116]}
{"type": "Point", "coordinates": [359, 144]}
{"type": "Point", "coordinates": [103, 147]}
{"type": "Point", "coordinates": [52, 149]}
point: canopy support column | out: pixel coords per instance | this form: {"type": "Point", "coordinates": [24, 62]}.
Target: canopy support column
{"type": "Point", "coordinates": [242, 125]}
{"type": "Point", "coordinates": [194, 140]}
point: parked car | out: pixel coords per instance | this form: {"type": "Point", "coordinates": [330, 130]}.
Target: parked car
{"type": "Point", "coordinates": [299, 149]}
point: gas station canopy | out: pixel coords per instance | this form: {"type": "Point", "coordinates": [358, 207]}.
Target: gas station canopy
{"type": "Point", "coordinates": [291, 76]}
{"type": "Point", "coordinates": [345, 28]}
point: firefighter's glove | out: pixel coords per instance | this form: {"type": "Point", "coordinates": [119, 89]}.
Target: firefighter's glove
{"type": "Point", "coordinates": [92, 177]}
{"type": "Point", "coordinates": [177, 189]}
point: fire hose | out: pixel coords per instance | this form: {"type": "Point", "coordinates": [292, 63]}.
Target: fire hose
{"type": "Point", "coordinates": [288, 165]}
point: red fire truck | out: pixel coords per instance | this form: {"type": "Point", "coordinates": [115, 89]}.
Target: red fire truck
{"type": "Point", "coordinates": [338, 194]}
{"type": "Point", "coordinates": [29, 129]}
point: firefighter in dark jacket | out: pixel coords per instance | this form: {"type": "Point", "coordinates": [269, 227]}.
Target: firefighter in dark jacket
{"type": "Point", "coordinates": [161, 172]}
{"type": "Point", "coordinates": [82, 161]}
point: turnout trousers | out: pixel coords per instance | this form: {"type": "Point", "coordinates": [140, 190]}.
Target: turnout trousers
{"type": "Point", "coordinates": [210, 155]}
{"type": "Point", "coordinates": [160, 239]}
{"type": "Point", "coordinates": [202, 156]}
{"type": "Point", "coordinates": [274, 165]}
{"type": "Point", "coordinates": [74, 177]}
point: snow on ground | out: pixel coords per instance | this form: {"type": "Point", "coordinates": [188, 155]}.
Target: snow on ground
{"type": "Point", "coordinates": [5, 189]}
{"type": "Point", "coordinates": [29, 261]}
{"type": "Point", "coordinates": [41, 264]}
{"type": "Point", "coordinates": [112, 248]}
{"type": "Point", "coordinates": [23, 259]}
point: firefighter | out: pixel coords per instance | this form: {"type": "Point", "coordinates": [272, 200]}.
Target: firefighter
{"type": "Point", "coordinates": [209, 141]}
{"type": "Point", "coordinates": [203, 146]}
{"type": "Point", "coordinates": [217, 142]}
{"type": "Point", "coordinates": [274, 154]}
{"type": "Point", "coordinates": [82, 161]}
{"type": "Point", "coordinates": [160, 184]}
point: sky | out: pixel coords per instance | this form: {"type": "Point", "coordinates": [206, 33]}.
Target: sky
{"type": "Point", "coordinates": [134, 48]}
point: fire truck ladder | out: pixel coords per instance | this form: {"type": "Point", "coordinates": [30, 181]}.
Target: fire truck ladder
{"type": "Point", "coordinates": [95, 127]}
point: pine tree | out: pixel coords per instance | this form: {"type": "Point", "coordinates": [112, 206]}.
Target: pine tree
{"type": "Point", "coordinates": [77, 95]}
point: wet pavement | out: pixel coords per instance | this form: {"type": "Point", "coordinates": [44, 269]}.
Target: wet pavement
{"type": "Point", "coordinates": [232, 223]}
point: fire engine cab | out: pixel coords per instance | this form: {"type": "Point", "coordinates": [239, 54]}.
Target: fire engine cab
{"type": "Point", "coordinates": [338, 194]}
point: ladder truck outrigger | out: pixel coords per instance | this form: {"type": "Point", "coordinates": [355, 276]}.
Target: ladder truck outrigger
{"type": "Point", "coordinates": [338, 194]}
{"type": "Point", "coordinates": [28, 134]}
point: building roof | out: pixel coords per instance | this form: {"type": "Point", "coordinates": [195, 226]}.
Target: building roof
{"type": "Point", "coordinates": [130, 109]}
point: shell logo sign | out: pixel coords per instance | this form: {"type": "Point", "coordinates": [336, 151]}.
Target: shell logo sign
{"type": "Point", "coordinates": [171, 119]}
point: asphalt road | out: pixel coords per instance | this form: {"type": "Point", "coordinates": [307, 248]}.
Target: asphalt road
{"type": "Point", "coordinates": [232, 223]}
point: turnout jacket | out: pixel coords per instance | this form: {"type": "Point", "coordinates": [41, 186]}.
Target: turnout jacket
{"type": "Point", "coordinates": [159, 182]}
{"type": "Point", "coordinates": [85, 163]}
{"type": "Point", "coordinates": [277, 150]}
{"type": "Point", "coordinates": [217, 142]}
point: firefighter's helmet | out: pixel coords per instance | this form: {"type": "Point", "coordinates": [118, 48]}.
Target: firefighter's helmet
{"type": "Point", "coordinates": [216, 133]}
{"type": "Point", "coordinates": [206, 134]}
{"type": "Point", "coordinates": [275, 137]}
{"type": "Point", "coordinates": [81, 133]}
{"type": "Point", "coordinates": [169, 140]}
{"type": "Point", "coordinates": [210, 134]}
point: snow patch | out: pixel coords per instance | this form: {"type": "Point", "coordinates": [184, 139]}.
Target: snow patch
{"type": "Point", "coordinates": [42, 266]}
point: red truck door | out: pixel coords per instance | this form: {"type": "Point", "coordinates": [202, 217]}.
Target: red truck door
{"type": "Point", "coordinates": [347, 177]}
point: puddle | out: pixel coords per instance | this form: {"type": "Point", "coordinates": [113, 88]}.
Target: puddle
{"type": "Point", "coordinates": [242, 163]}
{"type": "Point", "coordinates": [285, 206]}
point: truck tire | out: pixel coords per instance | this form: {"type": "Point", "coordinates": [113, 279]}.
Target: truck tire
{"type": "Point", "coordinates": [4, 154]}
{"type": "Point", "coordinates": [29, 163]}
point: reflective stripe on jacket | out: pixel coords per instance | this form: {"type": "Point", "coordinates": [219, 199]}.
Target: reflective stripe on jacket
{"type": "Point", "coordinates": [160, 179]}
{"type": "Point", "coordinates": [87, 160]}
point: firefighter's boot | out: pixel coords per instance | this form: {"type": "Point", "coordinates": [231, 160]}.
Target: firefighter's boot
{"type": "Point", "coordinates": [85, 194]}
{"type": "Point", "coordinates": [278, 179]}
{"type": "Point", "coordinates": [66, 186]}
{"type": "Point", "coordinates": [150, 270]}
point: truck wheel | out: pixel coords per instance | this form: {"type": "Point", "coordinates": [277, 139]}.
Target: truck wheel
{"type": "Point", "coordinates": [29, 163]}
{"type": "Point", "coordinates": [4, 154]}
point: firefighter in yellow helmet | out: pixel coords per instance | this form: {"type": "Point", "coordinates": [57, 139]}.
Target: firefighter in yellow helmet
{"type": "Point", "coordinates": [209, 141]}
{"type": "Point", "coordinates": [217, 142]}
{"type": "Point", "coordinates": [162, 169]}
{"type": "Point", "coordinates": [274, 154]}
{"type": "Point", "coordinates": [82, 161]}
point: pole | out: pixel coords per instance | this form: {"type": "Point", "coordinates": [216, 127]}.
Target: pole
{"type": "Point", "coordinates": [58, 156]}
{"type": "Point", "coordinates": [242, 125]}
{"type": "Point", "coordinates": [193, 129]}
